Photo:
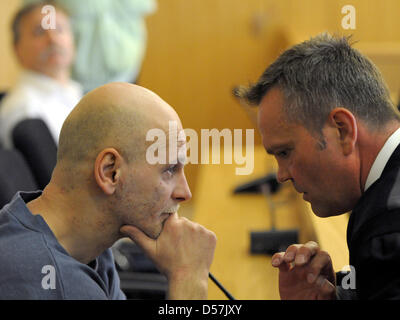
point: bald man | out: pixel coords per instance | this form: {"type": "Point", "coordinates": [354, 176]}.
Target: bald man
{"type": "Point", "coordinates": [55, 244]}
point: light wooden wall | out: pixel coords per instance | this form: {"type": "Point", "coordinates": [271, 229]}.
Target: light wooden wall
{"type": "Point", "coordinates": [377, 32]}
{"type": "Point", "coordinates": [377, 20]}
{"type": "Point", "coordinates": [199, 49]}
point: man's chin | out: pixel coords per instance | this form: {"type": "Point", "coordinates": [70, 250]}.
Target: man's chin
{"type": "Point", "coordinates": [155, 231]}
{"type": "Point", "coordinates": [150, 233]}
{"type": "Point", "coordinates": [324, 212]}
{"type": "Point", "coordinates": [153, 234]}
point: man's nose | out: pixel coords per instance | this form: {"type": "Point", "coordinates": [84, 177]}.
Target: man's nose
{"type": "Point", "coordinates": [182, 190]}
{"type": "Point", "coordinates": [282, 175]}
{"type": "Point", "coordinates": [53, 35]}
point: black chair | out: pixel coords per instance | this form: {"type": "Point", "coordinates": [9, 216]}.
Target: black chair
{"type": "Point", "coordinates": [2, 95]}
{"type": "Point", "coordinates": [15, 175]}
{"type": "Point", "coordinates": [139, 278]}
{"type": "Point", "coordinates": [34, 140]}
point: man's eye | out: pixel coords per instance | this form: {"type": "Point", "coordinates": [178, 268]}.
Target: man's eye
{"type": "Point", "coordinates": [38, 31]}
{"type": "Point", "coordinates": [172, 169]}
{"type": "Point", "coordinates": [283, 154]}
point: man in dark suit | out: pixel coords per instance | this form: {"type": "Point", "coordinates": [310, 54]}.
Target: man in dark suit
{"type": "Point", "coordinates": [326, 115]}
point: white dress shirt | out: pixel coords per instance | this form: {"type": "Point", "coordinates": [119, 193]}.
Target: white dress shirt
{"type": "Point", "coordinates": [37, 96]}
{"type": "Point", "coordinates": [382, 158]}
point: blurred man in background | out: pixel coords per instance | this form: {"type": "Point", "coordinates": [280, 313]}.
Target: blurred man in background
{"type": "Point", "coordinates": [44, 89]}
{"type": "Point", "coordinates": [110, 39]}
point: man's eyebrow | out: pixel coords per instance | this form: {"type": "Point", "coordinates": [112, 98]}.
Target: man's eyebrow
{"type": "Point", "coordinates": [271, 150]}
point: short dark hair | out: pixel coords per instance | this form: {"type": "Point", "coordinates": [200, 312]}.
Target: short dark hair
{"type": "Point", "coordinates": [320, 74]}
{"type": "Point", "coordinates": [27, 9]}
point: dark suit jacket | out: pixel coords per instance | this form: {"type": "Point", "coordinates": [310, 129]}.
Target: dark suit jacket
{"type": "Point", "coordinates": [373, 236]}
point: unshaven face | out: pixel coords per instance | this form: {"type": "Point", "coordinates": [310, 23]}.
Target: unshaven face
{"type": "Point", "coordinates": [151, 192]}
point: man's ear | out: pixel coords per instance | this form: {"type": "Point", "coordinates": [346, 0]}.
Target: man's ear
{"type": "Point", "coordinates": [346, 125]}
{"type": "Point", "coordinates": [107, 170]}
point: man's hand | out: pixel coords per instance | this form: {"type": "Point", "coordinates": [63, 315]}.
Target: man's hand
{"type": "Point", "coordinates": [183, 253]}
{"type": "Point", "coordinates": [305, 273]}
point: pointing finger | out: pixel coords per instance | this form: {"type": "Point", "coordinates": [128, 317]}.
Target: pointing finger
{"type": "Point", "coordinates": [277, 261]}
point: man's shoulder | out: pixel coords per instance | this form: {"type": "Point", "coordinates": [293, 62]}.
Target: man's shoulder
{"type": "Point", "coordinates": [98, 280]}
{"type": "Point", "coordinates": [378, 211]}
{"type": "Point", "coordinates": [19, 100]}
{"type": "Point", "coordinates": [33, 264]}
{"type": "Point", "coordinates": [384, 194]}
{"type": "Point", "coordinates": [24, 261]}
{"type": "Point", "coordinates": [19, 242]}
{"type": "Point", "coordinates": [33, 267]}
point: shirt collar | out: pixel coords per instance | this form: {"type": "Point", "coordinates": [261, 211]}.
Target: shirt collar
{"type": "Point", "coordinates": [382, 158]}
{"type": "Point", "coordinates": [17, 207]}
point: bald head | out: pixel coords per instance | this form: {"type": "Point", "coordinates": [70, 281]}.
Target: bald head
{"type": "Point", "coordinates": [116, 115]}
{"type": "Point", "coordinates": [102, 179]}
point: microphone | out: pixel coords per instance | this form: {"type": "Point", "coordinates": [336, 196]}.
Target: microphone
{"type": "Point", "coordinates": [219, 285]}
{"type": "Point", "coordinates": [255, 186]}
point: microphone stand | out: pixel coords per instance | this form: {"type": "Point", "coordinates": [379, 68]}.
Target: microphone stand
{"type": "Point", "coordinates": [273, 240]}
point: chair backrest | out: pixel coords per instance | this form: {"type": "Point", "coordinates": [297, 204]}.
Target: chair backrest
{"type": "Point", "coordinates": [15, 175]}
{"type": "Point", "coordinates": [2, 95]}
{"type": "Point", "coordinates": [34, 140]}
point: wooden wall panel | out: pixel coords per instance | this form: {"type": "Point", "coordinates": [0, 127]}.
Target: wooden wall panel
{"type": "Point", "coordinates": [199, 50]}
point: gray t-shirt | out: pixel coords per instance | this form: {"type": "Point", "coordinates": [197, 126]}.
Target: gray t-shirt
{"type": "Point", "coordinates": [33, 264]}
